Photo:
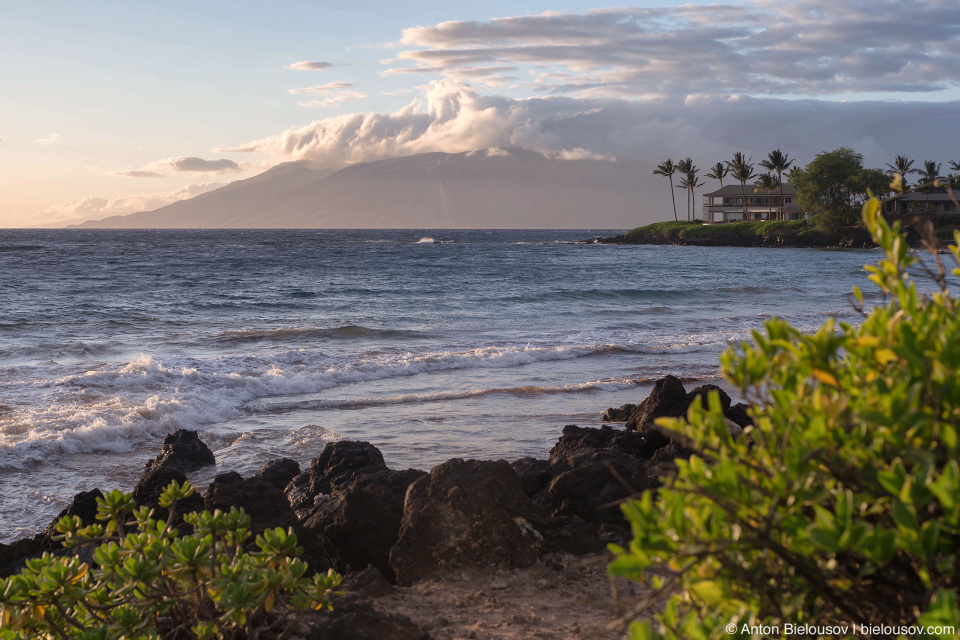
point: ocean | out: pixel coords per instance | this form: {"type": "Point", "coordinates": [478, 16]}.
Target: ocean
{"type": "Point", "coordinates": [429, 344]}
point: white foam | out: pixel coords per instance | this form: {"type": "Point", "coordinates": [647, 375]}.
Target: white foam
{"type": "Point", "coordinates": [113, 407]}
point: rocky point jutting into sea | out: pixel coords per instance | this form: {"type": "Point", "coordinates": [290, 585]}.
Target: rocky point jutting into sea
{"type": "Point", "coordinates": [487, 534]}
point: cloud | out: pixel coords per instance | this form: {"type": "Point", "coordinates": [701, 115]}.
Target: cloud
{"type": "Point", "coordinates": [454, 117]}
{"type": "Point", "coordinates": [53, 138]}
{"type": "Point", "coordinates": [138, 173]}
{"type": "Point", "coordinates": [308, 65]}
{"type": "Point", "coordinates": [92, 207]}
{"type": "Point", "coordinates": [330, 93]}
{"type": "Point", "coordinates": [761, 48]}
{"type": "Point", "coordinates": [323, 88]}
{"type": "Point", "coordinates": [194, 164]}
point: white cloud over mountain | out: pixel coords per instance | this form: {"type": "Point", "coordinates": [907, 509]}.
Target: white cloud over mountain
{"type": "Point", "coordinates": [454, 117]}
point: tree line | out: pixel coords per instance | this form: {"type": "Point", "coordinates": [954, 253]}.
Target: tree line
{"type": "Point", "coordinates": [832, 187]}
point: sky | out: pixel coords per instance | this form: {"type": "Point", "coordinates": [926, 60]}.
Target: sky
{"type": "Point", "coordinates": [114, 107]}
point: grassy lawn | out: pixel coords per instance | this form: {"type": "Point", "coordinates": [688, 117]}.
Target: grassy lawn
{"type": "Point", "coordinates": [732, 233]}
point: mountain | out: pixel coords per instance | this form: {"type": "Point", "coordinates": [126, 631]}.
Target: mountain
{"type": "Point", "coordinates": [481, 189]}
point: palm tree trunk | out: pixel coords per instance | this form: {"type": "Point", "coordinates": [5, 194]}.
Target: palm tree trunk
{"type": "Point", "coordinates": [780, 180]}
{"type": "Point", "coordinates": [743, 197]}
{"type": "Point", "coordinates": [674, 198]}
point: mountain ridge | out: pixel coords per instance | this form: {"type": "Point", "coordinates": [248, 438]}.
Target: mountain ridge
{"type": "Point", "coordinates": [478, 189]}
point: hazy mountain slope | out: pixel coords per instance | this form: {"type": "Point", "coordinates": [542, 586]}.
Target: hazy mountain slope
{"type": "Point", "coordinates": [432, 190]}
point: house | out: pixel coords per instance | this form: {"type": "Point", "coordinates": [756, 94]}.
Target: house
{"type": "Point", "coordinates": [917, 202]}
{"type": "Point", "coordinates": [726, 204]}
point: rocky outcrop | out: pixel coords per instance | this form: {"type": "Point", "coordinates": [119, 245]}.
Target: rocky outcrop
{"type": "Point", "coordinates": [591, 470]}
{"type": "Point", "coordinates": [465, 512]}
{"type": "Point", "coordinates": [738, 414]}
{"type": "Point", "coordinates": [363, 520]}
{"type": "Point", "coordinates": [151, 485]}
{"type": "Point", "coordinates": [268, 508]}
{"type": "Point", "coordinates": [279, 473]}
{"type": "Point", "coordinates": [618, 414]}
{"type": "Point", "coordinates": [84, 506]}
{"type": "Point", "coordinates": [703, 392]}
{"type": "Point", "coordinates": [668, 399]}
{"type": "Point", "coordinates": [338, 466]}
{"type": "Point", "coordinates": [13, 555]}
{"type": "Point", "coordinates": [182, 450]}
{"type": "Point", "coordinates": [533, 474]}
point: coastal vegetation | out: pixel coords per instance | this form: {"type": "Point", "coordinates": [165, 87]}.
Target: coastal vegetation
{"type": "Point", "coordinates": [839, 504]}
{"type": "Point", "coordinates": [831, 189]}
{"type": "Point", "coordinates": [134, 576]}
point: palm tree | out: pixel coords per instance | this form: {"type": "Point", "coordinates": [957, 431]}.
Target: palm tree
{"type": "Point", "coordinates": [690, 182]}
{"type": "Point", "coordinates": [667, 169]}
{"type": "Point", "coordinates": [779, 162]}
{"type": "Point", "coordinates": [766, 182]}
{"type": "Point", "coordinates": [686, 168]}
{"type": "Point", "coordinates": [902, 166]}
{"type": "Point", "coordinates": [742, 170]}
{"type": "Point", "coordinates": [718, 172]}
{"type": "Point", "coordinates": [954, 165]}
{"type": "Point", "coordinates": [930, 171]}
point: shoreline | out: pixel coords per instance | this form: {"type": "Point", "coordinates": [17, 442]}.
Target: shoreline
{"type": "Point", "coordinates": [472, 548]}
{"type": "Point", "coordinates": [793, 234]}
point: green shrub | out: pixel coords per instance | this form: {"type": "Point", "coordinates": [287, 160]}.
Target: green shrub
{"type": "Point", "coordinates": [841, 505]}
{"type": "Point", "coordinates": [149, 581]}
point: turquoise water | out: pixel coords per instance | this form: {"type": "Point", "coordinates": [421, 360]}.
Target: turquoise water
{"type": "Point", "coordinates": [431, 345]}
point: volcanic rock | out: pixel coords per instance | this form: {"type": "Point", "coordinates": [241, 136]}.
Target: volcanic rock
{"type": "Point", "coordinates": [279, 473]}
{"type": "Point", "coordinates": [532, 473]}
{"type": "Point", "coordinates": [363, 520]}
{"type": "Point", "coordinates": [703, 392]}
{"type": "Point", "coordinates": [84, 505]}
{"type": "Point", "coordinates": [618, 414]}
{"type": "Point", "coordinates": [268, 508]}
{"type": "Point", "coordinates": [465, 513]}
{"type": "Point", "coordinates": [152, 484]}
{"type": "Point", "coordinates": [668, 399]}
{"type": "Point", "coordinates": [182, 450]}
{"type": "Point", "coordinates": [339, 465]}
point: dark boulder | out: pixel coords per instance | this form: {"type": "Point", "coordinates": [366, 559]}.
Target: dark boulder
{"type": "Point", "coordinates": [358, 620]}
{"type": "Point", "coordinates": [595, 483]}
{"type": "Point", "coordinates": [151, 485]}
{"type": "Point", "coordinates": [14, 555]}
{"type": "Point", "coordinates": [591, 470]}
{"type": "Point", "coordinates": [368, 583]}
{"type": "Point", "coordinates": [738, 414]}
{"type": "Point", "coordinates": [363, 520]}
{"type": "Point", "coordinates": [618, 414]}
{"type": "Point", "coordinates": [565, 534]}
{"type": "Point", "coordinates": [268, 508]}
{"type": "Point", "coordinates": [577, 441]}
{"type": "Point", "coordinates": [532, 473]}
{"type": "Point", "coordinates": [703, 392]}
{"type": "Point", "coordinates": [668, 399]}
{"type": "Point", "coordinates": [339, 465]}
{"type": "Point", "coordinates": [279, 473]}
{"type": "Point", "coordinates": [182, 450]}
{"type": "Point", "coordinates": [84, 505]}
{"type": "Point", "coordinates": [465, 513]}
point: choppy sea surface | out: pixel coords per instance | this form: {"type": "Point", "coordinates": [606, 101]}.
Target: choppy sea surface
{"type": "Point", "coordinates": [429, 344]}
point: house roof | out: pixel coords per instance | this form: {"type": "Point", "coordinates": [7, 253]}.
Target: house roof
{"type": "Point", "coordinates": [733, 190]}
{"type": "Point", "coordinates": [925, 197]}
